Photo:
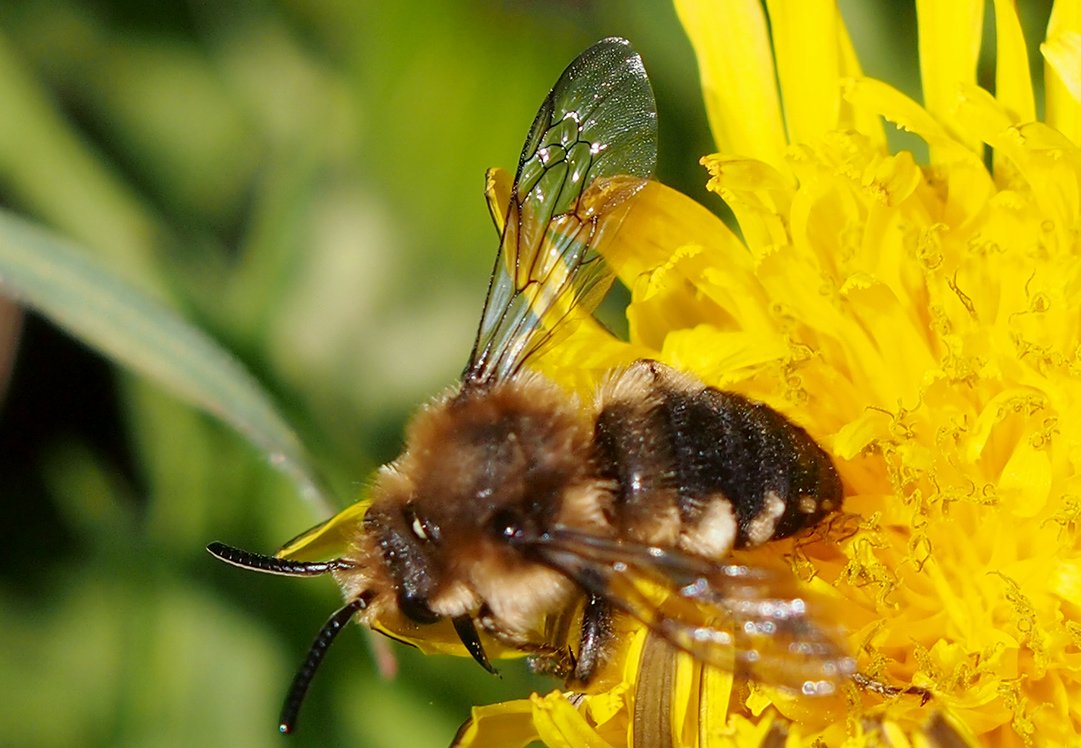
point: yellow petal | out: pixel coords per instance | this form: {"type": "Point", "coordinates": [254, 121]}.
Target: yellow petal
{"type": "Point", "coordinates": [969, 184]}
{"type": "Point", "coordinates": [1051, 165]}
{"type": "Point", "coordinates": [858, 434]}
{"type": "Point", "coordinates": [807, 47]}
{"type": "Point", "coordinates": [735, 63]}
{"type": "Point", "coordinates": [497, 187]}
{"type": "Point", "coordinates": [949, 49]}
{"type": "Point", "coordinates": [1013, 79]}
{"type": "Point", "coordinates": [1066, 580]}
{"type": "Point", "coordinates": [1025, 481]}
{"type": "Point", "coordinates": [560, 725]}
{"type": "Point", "coordinates": [895, 736]}
{"type": "Point", "coordinates": [686, 698]}
{"type": "Point", "coordinates": [1062, 69]}
{"type": "Point", "coordinates": [865, 123]}
{"type": "Point", "coordinates": [767, 731]}
{"type": "Point", "coordinates": [662, 220]}
{"type": "Point", "coordinates": [881, 98]}
{"type": "Point", "coordinates": [609, 705]}
{"type": "Point", "coordinates": [758, 195]}
{"type": "Point", "coordinates": [758, 701]}
{"type": "Point", "coordinates": [328, 539]}
{"type": "Point", "coordinates": [989, 120]}
{"type": "Point", "coordinates": [720, 358]}
{"type": "Point", "coordinates": [697, 285]}
{"type": "Point", "coordinates": [713, 705]}
{"type": "Point", "coordinates": [982, 114]}
{"type": "Point", "coordinates": [587, 356]}
{"type": "Point", "coordinates": [505, 725]}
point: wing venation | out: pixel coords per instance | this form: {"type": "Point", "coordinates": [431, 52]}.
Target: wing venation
{"type": "Point", "coordinates": [592, 147]}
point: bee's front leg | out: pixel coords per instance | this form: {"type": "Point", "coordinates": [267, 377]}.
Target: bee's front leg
{"type": "Point", "coordinates": [544, 657]}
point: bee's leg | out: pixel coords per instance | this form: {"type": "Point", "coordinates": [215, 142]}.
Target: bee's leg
{"type": "Point", "coordinates": [595, 638]}
{"type": "Point", "coordinates": [873, 685]}
{"type": "Point", "coordinates": [543, 657]}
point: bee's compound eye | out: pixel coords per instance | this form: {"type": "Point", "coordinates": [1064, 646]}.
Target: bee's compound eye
{"type": "Point", "coordinates": [506, 524]}
{"type": "Point", "coordinates": [422, 528]}
{"type": "Point", "coordinates": [418, 529]}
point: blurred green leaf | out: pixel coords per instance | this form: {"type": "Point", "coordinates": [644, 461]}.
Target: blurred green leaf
{"type": "Point", "coordinates": [47, 166]}
{"type": "Point", "coordinates": [84, 297]}
{"type": "Point", "coordinates": [108, 634]}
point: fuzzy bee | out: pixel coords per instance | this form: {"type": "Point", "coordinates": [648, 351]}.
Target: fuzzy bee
{"type": "Point", "coordinates": [515, 504]}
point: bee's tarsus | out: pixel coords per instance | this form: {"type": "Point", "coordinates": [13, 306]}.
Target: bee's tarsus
{"type": "Point", "coordinates": [291, 708]}
{"type": "Point", "coordinates": [873, 685]}
{"type": "Point", "coordinates": [467, 632]}
{"type": "Point", "coordinates": [274, 565]}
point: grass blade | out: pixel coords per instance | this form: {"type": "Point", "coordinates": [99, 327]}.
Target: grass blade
{"type": "Point", "coordinates": [68, 286]}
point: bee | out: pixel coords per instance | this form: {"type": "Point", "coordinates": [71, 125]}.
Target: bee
{"type": "Point", "coordinates": [515, 504]}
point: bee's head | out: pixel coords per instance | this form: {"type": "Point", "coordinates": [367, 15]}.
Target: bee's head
{"type": "Point", "coordinates": [484, 466]}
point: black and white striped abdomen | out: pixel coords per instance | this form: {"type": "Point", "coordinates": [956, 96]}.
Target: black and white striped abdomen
{"type": "Point", "coordinates": [705, 469]}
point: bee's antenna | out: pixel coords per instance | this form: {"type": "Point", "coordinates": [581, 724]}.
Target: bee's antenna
{"type": "Point", "coordinates": [291, 708]}
{"type": "Point", "coordinates": [275, 565]}
{"type": "Point", "coordinates": [467, 633]}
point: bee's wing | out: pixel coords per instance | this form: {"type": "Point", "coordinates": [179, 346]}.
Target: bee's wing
{"type": "Point", "coordinates": [592, 147]}
{"type": "Point", "coordinates": [749, 620]}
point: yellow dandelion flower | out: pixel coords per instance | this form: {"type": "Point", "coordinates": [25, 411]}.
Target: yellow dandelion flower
{"type": "Point", "coordinates": [923, 321]}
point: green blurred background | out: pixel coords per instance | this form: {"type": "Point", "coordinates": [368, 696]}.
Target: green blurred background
{"type": "Point", "coordinates": [304, 181]}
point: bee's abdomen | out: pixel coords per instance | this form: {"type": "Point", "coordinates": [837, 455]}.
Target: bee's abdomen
{"type": "Point", "coordinates": [664, 438]}
{"type": "Point", "coordinates": [776, 477]}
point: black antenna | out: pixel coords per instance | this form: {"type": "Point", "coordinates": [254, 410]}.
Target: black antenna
{"type": "Point", "coordinates": [291, 708]}
{"type": "Point", "coordinates": [274, 565]}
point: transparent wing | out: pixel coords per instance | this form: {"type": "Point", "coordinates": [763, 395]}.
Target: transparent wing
{"type": "Point", "coordinates": [590, 150]}
{"type": "Point", "coordinates": [753, 621]}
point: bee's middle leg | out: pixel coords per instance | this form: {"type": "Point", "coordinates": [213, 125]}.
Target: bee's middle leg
{"type": "Point", "coordinates": [595, 638]}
